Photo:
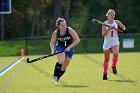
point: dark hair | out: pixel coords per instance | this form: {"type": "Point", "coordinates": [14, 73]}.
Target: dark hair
{"type": "Point", "coordinates": [59, 20]}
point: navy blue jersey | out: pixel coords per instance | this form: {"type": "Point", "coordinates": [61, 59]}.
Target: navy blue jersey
{"type": "Point", "coordinates": [64, 40]}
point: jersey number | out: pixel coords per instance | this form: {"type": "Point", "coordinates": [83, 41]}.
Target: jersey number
{"type": "Point", "coordinates": [65, 43]}
{"type": "Point", "coordinates": [112, 33]}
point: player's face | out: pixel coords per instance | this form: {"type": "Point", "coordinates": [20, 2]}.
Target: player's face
{"type": "Point", "coordinates": [62, 25]}
{"type": "Point", "coordinates": [111, 16]}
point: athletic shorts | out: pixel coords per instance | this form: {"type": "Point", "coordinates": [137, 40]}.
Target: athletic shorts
{"type": "Point", "coordinates": [59, 48]}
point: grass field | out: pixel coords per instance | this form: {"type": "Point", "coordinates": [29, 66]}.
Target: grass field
{"type": "Point", "coordinates": [84, 75]}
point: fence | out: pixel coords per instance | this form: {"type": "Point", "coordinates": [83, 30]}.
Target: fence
{"type": "Point", "coordinates": [88, 44]}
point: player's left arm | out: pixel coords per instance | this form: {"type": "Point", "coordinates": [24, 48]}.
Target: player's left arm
{"type": "Point", "coordinates": [75, 37]}
{"type": "Point", "coordinates": [121, 25]}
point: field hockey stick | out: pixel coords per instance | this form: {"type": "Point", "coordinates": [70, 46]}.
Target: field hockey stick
{"type": "Point", "coordinates": [40, 58]}
{"type": "Point", "coordinates": [101, 23]}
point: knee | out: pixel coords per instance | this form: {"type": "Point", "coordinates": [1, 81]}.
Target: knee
{"type": "Point", "coordinates": [60, 62]}
{"type": "Point", "coordinates": [115, 55]}
{"type": "Point", "coordinates": [106, 60]}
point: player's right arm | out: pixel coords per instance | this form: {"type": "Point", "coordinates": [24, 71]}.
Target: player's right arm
{"type": "Point", "coordinates": [52, 42]}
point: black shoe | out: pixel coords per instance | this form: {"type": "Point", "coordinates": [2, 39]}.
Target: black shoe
{"type": "Point", "coordinates": [114, 70]}
{"type": "Point", "coordinates": [105, 77]}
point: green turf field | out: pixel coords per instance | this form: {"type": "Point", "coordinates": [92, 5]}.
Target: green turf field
{"type": "Point", "coordinates": [84, 75]}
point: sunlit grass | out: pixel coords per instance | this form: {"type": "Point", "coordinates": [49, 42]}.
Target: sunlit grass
{"type": "Point", "coordinates": [83, 75]}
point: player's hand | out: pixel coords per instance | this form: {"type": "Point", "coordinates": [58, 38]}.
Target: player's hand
{"type": "Point", "coordinates": [124, 31]}
{"type": "Point", "coordinates": [52, 52]}
{"type": "Point", "coordinates": [110, 28]}
{"type": "Point", "coordinates": [67, 49]}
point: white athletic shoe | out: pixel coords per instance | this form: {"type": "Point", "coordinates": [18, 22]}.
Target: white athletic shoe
{"type": "Point", "coordinates": [55, 80]}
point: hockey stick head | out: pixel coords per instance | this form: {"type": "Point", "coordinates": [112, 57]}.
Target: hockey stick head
{"type": "Point", "coordinates": [97, 21]}
{"type": "Point", "coordinates": [31, 61]}
{"type": "Point", "coordinates": [27, 60]}
{"type": "Point", "coordinates": [94, 21]}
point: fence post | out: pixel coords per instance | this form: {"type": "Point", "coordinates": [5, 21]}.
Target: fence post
{"type": "Point", "coordinates": [26, 40]}
{"type": "Point", "coordinates": [85, 44]}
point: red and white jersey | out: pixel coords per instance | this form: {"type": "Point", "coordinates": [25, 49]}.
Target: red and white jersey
{"type": "Point", "coordinates": [111, 39]}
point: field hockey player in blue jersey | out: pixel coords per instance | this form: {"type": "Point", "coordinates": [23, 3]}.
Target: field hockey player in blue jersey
{"type": "Point", "coordinates": [64, 38]}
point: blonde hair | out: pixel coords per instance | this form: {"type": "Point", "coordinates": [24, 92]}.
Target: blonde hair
{"type": "Point", "coordinates": [110, 10]}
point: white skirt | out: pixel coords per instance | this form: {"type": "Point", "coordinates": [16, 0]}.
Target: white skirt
{"type": "Point", "coordinates": [110, 43]}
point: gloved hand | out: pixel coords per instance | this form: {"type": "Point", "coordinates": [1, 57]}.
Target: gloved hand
{"type": "Point", "coordinates": [124, 31]}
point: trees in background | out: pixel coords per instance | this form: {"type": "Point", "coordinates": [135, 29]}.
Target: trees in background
{"type": "Point", "coordinates": [37, 17]}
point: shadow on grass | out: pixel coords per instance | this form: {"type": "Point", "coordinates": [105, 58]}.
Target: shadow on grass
{"type": "Point", "coordinates": [75, 86]}
{"type": "Point", "coordinates": [121, 76]}
{"type": "Point", "coordinates": [122, 80]}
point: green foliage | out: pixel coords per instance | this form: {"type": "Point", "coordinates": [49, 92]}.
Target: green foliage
{"type": "Point", "coordinates": [36, 17]}
{"type": "Point", "coordinates": [11, 47]}
{"type": "Point", "coordinates": [79, 21]}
